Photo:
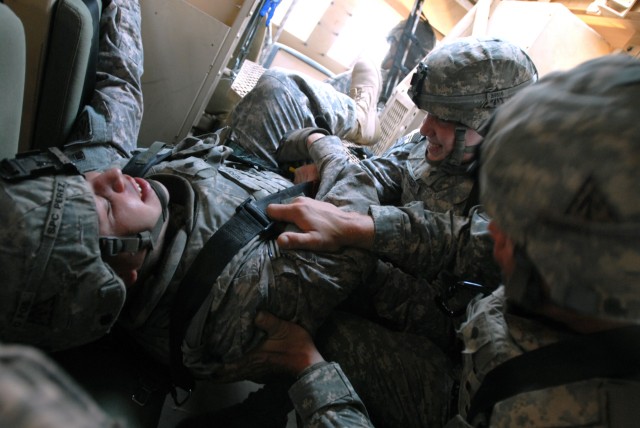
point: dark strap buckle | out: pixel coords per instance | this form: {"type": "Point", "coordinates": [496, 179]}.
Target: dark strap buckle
{"type": "Point", "coordinates": [37, 163]}
{"type": "Point", "coordinates": [257, 214]}
{"type": "Point", "coordinates": [453, 288]}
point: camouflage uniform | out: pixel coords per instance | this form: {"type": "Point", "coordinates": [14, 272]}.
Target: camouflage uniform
{"type": "Point", "coordinates": [281, 101]}
{"type": "Point", "coordinates": [432, 235]}
{"type": "Point", "coordinates": [572, 214]}
{"type": "Point", "coordinates": [113, 116]}
{"type": "Point", "coordinates": [35, 392]}
{"type": "Point", "coordinates": [302, 286]}
{"type": "Point", "coordinates": [456, 81]}
{"type": "Point", "coordinates": [425, 223]}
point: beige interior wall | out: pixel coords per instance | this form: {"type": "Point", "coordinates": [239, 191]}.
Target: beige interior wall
{"type": "Point", "coordinates": [180, 43]}
{"type": "Point", "coordinates": [225, 11]}
{"type": "Point", "coordinates": [323, 35]}
{"type": "Point", "coordinates": [285, 60]}
{"type": "Point", "coordinates": [186, 52]}
{"type": "Point", "coordinates": [443, 15]}
{"type": "Point", "coordinates": [554, 37]}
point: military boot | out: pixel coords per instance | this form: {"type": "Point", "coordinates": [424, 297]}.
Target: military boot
{"type": "Point", "coordinates": [366, 82]}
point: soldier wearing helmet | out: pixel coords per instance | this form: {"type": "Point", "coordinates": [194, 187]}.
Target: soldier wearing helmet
{"type": "Point", "coordinates": [427, 221]}
{"type": "Point", "coordinates": [80, 244]}
{"type": "Point", "coordinates": [557, 345]}
{"type": "Point", "coordinates": [428, 230]}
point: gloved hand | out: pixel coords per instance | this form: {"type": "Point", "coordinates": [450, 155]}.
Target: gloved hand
{"type": "Point", "coordinates": [293, 145]}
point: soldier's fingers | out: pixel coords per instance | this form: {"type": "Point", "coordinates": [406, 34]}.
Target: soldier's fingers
{"type": "Point", "coordinates": [284, 212]}
{"type": "Point", "coordinates": [268, 322]}
{"type": "Point", "coordinates": [301, 241]}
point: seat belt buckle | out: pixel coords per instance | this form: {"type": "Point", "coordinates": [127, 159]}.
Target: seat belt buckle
{"type": "Point", "coordinates": [258, 215]}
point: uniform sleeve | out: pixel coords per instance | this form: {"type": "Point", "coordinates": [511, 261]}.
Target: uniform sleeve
{"type": "Point", "coordinates": [417, 240]}
{"type": "Point", "coordinates": [377, 180]}
{"type": "Point", "coordinates": [387, 170]}
{"type": "Point", "coordinates": [324, 397]}
{"type": "Point", "coordinates": [35, 392]}
{"type": "Point", "coordinates": [343, 182]}
{"type": "Point", "coordinates": [114, 113]}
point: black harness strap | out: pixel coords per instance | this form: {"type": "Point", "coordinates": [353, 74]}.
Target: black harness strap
{"type": "Point", "coordinates": [141, 162]}
{"type": "Point", "coordinates": [611, 354]}
{"type": "Point", "coordinates": [249, 221]}
{"type": "Point", "coordinates": [51, 161]}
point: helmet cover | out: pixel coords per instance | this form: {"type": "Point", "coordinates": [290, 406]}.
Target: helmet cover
{"type": "Point", "coordinates": [466, 79]}
{"type": "Point", "coordinates": [57, 292]}
{"type": "Point", "coordinates": [559, 175]}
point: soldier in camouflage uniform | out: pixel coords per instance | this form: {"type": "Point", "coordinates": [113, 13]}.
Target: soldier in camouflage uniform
{"type": "Point", "coordinates": [428, 222]}
{"type": "Point", "coordinates": [84, 294]}
{"type": "Point", "coordinates": [35, 392]}
{"type": "Point", "coordinates": [560, 179]}
{"type": "Point", "coordinates": [429, 241]}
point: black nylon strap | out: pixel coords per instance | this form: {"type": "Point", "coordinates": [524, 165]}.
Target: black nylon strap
{"type": "Point", "coordinates": [249, 221]}
{"type": "Point", "coordinates": [141, 162]}
{"type": "Point", "coordinates": [51, 161]}
{"type": "Point", "coordinates": [607, 354]}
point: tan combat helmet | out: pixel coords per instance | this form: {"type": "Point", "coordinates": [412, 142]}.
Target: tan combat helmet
{"type": "Point", "coordinates": [465, 80]}
{"type": "Point", "coordinates": [560, 175]}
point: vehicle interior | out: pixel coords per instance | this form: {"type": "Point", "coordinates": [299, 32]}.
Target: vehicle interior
{"type": "Point", "coordinates": [202, 57]}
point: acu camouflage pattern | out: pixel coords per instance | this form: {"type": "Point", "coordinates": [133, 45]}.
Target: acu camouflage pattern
{"type": "Point", "coordinates": [492, 336]}
{"type": "Point", "coordinates": [78, 297]}
{"type": "Point", "coordinates": [57, 292]}
{"type": "Point", "coordinates": [114, 114]}
{"type": "Point", "coordinates": [34, 392]}
{"type": "Point", "coordinates": [302, 286]}
{"type": "Point", "coordinates": [471, 66]}
{"type": "Point", "coordinates": [560, 177]}
{"type": "Point", "coordinates": [281, 101]}
{"type": "Point", "coordinates": [324, 397]}
{"type": "Point", "coordinates": [404, 379]}
{"type": "Point", "coordinates": [421, 224]}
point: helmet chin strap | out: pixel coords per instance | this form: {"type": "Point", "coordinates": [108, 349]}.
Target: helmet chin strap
{"type": "Point", "coordinates": [523, 287]}
{"type": "Point", "coordinates": [113, 245]}
{"type": "Point", "coordinates": [453, 164]}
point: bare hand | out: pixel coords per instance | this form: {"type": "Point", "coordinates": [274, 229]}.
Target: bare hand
{"type": "Point", "coordinates": [324, 226]}
{"type": "Point", "coordinates": [306, 173]}
{"type": "Point", "coordinates": [287, 350]}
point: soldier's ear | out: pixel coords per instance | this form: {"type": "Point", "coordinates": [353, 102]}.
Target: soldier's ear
{"type": "Point", "coordinates": [503, 249]}
{"type": "Point", "coordinates": [129, 277]}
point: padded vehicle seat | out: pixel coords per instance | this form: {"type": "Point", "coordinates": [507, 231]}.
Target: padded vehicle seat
{"type": "Point", "coordinates": [12, 78]}
{"type": "Point", "coordinates": [69, 73]}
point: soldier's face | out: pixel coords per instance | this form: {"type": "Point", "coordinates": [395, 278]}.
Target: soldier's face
{"type": "Point", "coordinates": [125, 205]}
{"type": "Point", "coordinates": [442, 136]}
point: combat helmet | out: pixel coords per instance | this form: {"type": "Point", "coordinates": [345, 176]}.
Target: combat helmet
{"type": "Point", "coordinates": [57, 291]}
{"type": "Point", "coordinates": [560, 176]}
{"type": "Point", "coordinates": [465, 80]}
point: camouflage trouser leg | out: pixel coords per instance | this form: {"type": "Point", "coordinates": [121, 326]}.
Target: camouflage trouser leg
{"type": "Point", "coordinates": [114, 113]}
{"type": "Point", "coordinates": [404, 303]}
{"type": "Point", "coordinates": [403, 379]}
{"type": "Point", "coordinates": [283, 101]}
